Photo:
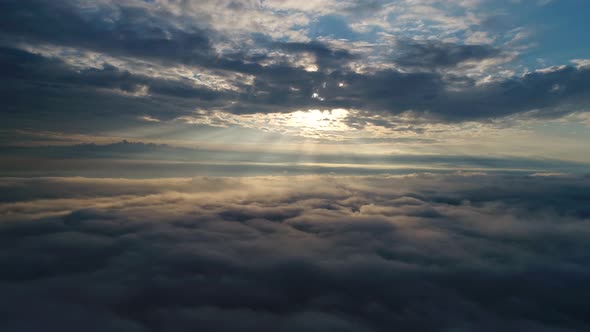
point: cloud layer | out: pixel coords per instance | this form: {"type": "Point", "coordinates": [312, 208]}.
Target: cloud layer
{"type": "Point", "coordinates": [423, 252]}
{"type": "Point", "coordinates": [139, 160]}
{"type": "Point", "coordinates": [117, 62]}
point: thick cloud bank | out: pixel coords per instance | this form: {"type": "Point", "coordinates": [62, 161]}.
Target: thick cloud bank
{"type": "Point", "coordinates": [315, 253]}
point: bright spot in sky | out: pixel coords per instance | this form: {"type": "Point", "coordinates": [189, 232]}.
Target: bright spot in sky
{"type": "Point", "coordinates": [313, 123]}
{"type": "Point", "coordinates": [311, 68]}
{"type": "Point", "coordinates": [319, 120]}
{"type": "Point", "coordinates": [316, 95]}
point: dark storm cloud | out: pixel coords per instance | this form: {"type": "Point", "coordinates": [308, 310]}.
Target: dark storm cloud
{"type": "Point", "coordinates": [423, 253]}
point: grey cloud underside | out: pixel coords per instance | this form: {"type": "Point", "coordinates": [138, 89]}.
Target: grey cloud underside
{"type": "Point", "coordinates": [118, 30]}
{"type": "Point", "coordinates": [327, 58]}
{"type": "Point", "coordinates": [45, 86]}
{"type": "Point", "coordinates": [434, 54]}
{"type": "Point", "coordinates": [143, 34]}
{"type": "Point", "coordinates": [420, 253]}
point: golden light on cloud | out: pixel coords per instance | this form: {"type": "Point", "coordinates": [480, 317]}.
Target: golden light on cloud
{"type": "Point", "coordinates": [312, 123]}
{"type": "Point", "coordinates": [311, 68]}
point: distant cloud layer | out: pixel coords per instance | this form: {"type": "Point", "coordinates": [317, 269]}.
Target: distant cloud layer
{"type": "Point", "coordinates": [463, 252]}
{"type": "Point", "coordinates": [139, 160]}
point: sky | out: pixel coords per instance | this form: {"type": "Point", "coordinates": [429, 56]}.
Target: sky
{"type": "Point", "coordinates": [355, 82]}
{"type": "Point", "coordinates": [287, 165]}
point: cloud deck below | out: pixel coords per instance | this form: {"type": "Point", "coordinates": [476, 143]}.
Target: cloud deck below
{"type": "Point", "coordinates": [424, 252]}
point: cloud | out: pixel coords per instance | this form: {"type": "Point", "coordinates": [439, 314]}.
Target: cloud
{"type": "Point", "coordinates": [326, 57]}
{"type": "Point", "coordinates": [119, 30]}
{"type": "Point", "coordinates": [277, 88]}
{"type": "Point", "coordinates": [109, 95]}
{"type": "Point", "coordinates": [433, 79]}
{"type": "Point", "coordinates": [419, 252]}
{"type": "Point", "coordinates": [433, 54]}
{"type": "Point", "coordinates": [141, 160]}
{"type": "Point", "coordinates": [22, 65]}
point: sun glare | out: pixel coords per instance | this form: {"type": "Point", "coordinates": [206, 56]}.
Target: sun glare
{"type": "Point", "coordinates": [318, 119]}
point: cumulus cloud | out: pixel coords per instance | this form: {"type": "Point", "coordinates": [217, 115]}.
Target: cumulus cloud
{"type": "Point", "coordinates": [421, 252]}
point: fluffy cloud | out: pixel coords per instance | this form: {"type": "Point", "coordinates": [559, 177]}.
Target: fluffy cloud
{"type": "Point", "coordinates": [421, 252]}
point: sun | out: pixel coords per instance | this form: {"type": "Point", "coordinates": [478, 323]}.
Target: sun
{"type": "Point", "coordinates": [320, 120]}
